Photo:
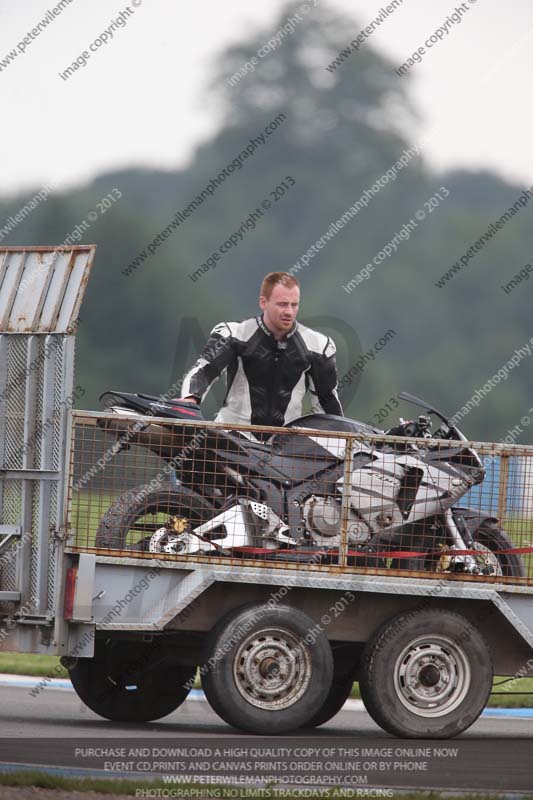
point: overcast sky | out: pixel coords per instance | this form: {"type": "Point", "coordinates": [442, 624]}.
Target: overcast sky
{"type": "Point", "coordinates": [140, 100]}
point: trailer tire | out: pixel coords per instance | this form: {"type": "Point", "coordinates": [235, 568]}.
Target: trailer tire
{"type": "Point", "coordinates": [346, 665]}
{"type": "Point", "coordinates": [272, 678]}
{"type": "Point", "coordinates": [122, 514]}
{"type": "Point", "coordinates": [338, 694]}
{"type": "Point", "coordinates": [131, 681]}
{"type": "Point", "coordinates": [426, 674]}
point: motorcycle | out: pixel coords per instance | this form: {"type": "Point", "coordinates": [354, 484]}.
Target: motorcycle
{"type": "Point", "coordinates": [224, 494]}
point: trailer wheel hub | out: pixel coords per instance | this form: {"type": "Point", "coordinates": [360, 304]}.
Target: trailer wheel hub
{"type": "Point", "coordinates": [432, 676]}
{"type": "Point", "coordinates": [429, 675]}
{"type": "Point", "coordinates": [272, 669]}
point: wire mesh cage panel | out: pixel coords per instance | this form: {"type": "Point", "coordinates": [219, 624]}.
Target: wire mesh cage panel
{"type": "Point", "coordinates": [300, 498]}
{"type": "Point", "coordinates": [40, 295]}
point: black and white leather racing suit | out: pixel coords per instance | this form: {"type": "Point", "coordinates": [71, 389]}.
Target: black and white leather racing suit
{"type": "Point", "coordinates": [266, 378]}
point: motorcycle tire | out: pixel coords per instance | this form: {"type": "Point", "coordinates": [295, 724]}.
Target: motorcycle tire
{"type": "Point", "coordinates": [487, 537]}
{"type": "Point", "coordinates": [491, 536]}
{"type": "Point", "coordinates": [115, 528]}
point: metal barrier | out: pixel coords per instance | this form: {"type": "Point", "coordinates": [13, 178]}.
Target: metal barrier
{"type": "Point", "coordinates": [321, 500]}
{"type": "Point", "coordinates": [41, 289]}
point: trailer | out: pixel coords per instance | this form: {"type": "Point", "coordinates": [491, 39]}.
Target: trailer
{"type": "Point", "coordinates": [110, 560]}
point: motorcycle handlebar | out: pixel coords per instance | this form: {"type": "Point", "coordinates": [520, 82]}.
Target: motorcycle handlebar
{"type": "Point", "coordinates": [420, 429]}
{"type": "Point", "coordinates": [412, 428]}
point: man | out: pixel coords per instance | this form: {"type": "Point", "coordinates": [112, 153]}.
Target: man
{"type": "Point", "coordinates": [271, 361]}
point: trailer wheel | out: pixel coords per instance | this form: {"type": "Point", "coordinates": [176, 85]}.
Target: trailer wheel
{"type": "Point", "coordinates": [131, 681]}
{"type": "Point", "coordinates": [337, 696]}
{"type": "Point", "coordinates": [135, 512]}
{"type": "Point", "coordinates": [346, 663]}
{"type": "Point", "coordinates": [426, 674]}
{"type": "Point", "coordinates": [269, 670]}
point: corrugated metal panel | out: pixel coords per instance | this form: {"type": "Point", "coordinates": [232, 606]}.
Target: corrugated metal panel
{"type": "Point", "coordinates": [41, 288]}
{"type": "Point", "coordinates": [41, 291]}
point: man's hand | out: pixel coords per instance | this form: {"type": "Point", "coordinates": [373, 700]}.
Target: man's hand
{"type": "Point", "coordinates": [186, 400]}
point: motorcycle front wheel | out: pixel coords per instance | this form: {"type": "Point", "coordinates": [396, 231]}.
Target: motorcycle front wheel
{"type": "Point", "coordinates": [491, 544]}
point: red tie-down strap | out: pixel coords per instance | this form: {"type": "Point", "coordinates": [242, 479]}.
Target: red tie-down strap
{"type": "Point", "coordinates": [444, 552]}
{"type": "Point", "coordinates": [382, 554]}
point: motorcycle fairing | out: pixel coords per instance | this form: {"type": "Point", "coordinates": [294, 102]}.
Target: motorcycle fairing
{"type": "Point", "coordinates": [299, 481]}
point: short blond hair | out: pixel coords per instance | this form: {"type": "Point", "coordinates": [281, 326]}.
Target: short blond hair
{"type": "Point", "coordinates": [275, 278]}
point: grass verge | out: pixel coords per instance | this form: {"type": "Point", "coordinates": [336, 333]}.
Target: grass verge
{"type": "Point", "coordinates": [116, 786]}
{"type": "Point", "coordinates": [30, 664]}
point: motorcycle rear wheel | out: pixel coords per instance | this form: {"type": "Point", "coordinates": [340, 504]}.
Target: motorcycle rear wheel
{"type": "Point", "coordinates": [123, 522]}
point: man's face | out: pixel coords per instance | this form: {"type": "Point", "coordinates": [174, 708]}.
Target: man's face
{"type": "Point", "coordinates": [280, 310]}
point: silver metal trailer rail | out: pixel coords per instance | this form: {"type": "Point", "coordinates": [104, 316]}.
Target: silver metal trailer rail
{"type": "Point", "coordinates": [142, 550]}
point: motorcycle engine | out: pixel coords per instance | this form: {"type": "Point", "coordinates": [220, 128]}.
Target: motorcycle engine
{"type": "Point", "coordinates": [322, 517]}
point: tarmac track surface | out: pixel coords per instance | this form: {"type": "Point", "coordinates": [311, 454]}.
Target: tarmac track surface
{"type": "Point", "coordinates": [55, 730]}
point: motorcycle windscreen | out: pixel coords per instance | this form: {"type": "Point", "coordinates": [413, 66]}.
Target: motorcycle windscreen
{"type": "Point", "coordinates": [332, 422]}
